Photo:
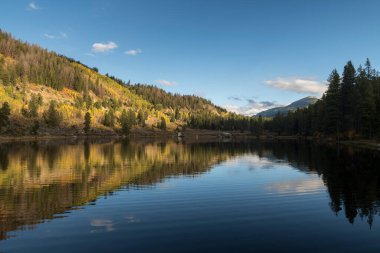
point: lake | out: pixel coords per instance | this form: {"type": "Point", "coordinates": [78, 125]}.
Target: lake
{"type": "Point", "coordinates": [121, 196]}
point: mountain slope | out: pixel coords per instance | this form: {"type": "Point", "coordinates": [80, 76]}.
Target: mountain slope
{"type": "Point", "coordinates": [302, 103]}
{"type": "Point", "coordinates": [29, 73]}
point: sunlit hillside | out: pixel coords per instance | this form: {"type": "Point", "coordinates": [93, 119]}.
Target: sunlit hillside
{"type": "Point", "coordinates": [48, 92]}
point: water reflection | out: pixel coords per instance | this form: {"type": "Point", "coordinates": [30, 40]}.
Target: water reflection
{"type": "Point", "coordinates": [40, 181]}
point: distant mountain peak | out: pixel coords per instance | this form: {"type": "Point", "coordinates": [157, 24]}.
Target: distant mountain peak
{"type": "Point", "coordinates": [301, 103]}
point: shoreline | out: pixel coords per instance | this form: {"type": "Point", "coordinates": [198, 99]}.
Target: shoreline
{"type": "Point", "coordinates": [190, 135]}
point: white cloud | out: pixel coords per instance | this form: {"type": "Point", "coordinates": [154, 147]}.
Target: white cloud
{"type": "Point", "coordinates": [167, 83]}
{"type": "Point", "coordinates": [49, 36]}
{"type": "Point", "coordinates": [299, 85]}
{"type": "Point", "coordinates": [133, 52]}
{"type": "Point", "coordinates": [61, 35]}
{"type": "Point", "coordinates": [251, 107]}
{"type": "Point", "coordinates": [104, 47]}
{"type": "Point", "coordinates": [33, 6]}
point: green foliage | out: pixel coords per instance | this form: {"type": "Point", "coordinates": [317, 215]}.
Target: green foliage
{"type": "Point", "coordinates": [34, 104]}
{"type": "Point", "coordinates": [142, 117]}
{"type": "Point", "coordinates": [163, 124]}
{"type": "Point", "coordinates": [132, 117]}
{"type": "Point", "coordinates": [125, 123]}
{"type": "Point", "coordinates": [163, 99]}
{"type": "Point", "coordinates": [87, 122]}
{"type": "Point", "coordinates": [52, 116]}
{"type": "Point", "coordinates": [5, 111]}
{"type": "Point", "coordinates": [177, 115]}
{"type": "Point", "coordinates": [332, 104]}
{"type": "Point", "coordinates": [109, 118]}
{"type": "Point", "coordinates": [35, 127]}
{"type": "Point", "coordinates": [172, 118]}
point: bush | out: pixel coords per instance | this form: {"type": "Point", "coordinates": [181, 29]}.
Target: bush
{"type": "Point", "coordinates": [52, 116]}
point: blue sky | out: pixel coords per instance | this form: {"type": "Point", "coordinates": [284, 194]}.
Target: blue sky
{"type": "Point", "coordinates": [244, 55]}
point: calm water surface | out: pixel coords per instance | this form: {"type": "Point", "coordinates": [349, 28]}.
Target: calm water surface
{"type": "Point", "coordinates": [98, 196]}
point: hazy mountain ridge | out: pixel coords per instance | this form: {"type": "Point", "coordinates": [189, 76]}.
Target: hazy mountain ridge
{"type": "Point", "coordinates": [302, 103]}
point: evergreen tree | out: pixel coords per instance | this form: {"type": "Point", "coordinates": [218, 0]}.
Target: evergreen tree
{"type": "Point", "coordinates": [5, 112]}
{"type": "Point", "coordinates": [177, 114]}
{"type": "Point", "coordinates": [172, 117]}
{"type": "Point", "coordinates": [125, 122]}
{"type": "Point", "coordinates": [109, 118]}
{"type": "Point", "coordinates": [348, 97]}
{"type": "Point", "coordinates": [131, 117]}
{"type": "Point", "coordinates": [52, 116]}
{"type": "Point", "coordinates": [34, 105]}
{"type": "Point", "coordinates": [366, 101]}
{"type": "Point", "coordinates": [87, 122]}
{"type": "Point", "coordinates": [35, 127]}
{"type": "Point", "coordinates": [332, 123]}
{"type": "Point", "coordinates": [163, 123]}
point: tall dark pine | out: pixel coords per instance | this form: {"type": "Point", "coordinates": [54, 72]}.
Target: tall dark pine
{"type": "Point", "coordinates": [87, 122]}
{"type": "Point", "coordinates": [348, 97]}
{"type": "Point", "coordinates": [5, 111]}
{"type": "Point", "coordinates": [332, 100]}
{"type": "Point", "coordinates": [366, 103]}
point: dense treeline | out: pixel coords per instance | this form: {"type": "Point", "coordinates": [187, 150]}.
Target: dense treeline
{"type": "Point", "coordinates": [160, 97]}
{"type": "Point", "coordinates": [349, 108]}
{"type": "Point", "coordinates": [32, 64]}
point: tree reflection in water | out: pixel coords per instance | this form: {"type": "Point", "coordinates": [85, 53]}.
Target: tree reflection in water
{"type": "Point", "coordinates": [40, 180]}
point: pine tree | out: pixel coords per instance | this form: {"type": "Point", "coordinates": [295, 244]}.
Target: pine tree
{"type": "Point", "coordinates": [163, 123]}
{"type": "Point", "coordinates": [132, 117]}
{"type": "Point", "coordinates": [35, 127]}
{"type": "Point", "coordinates": [34, 105]}
{"type": "Point", "coordinates": [177, 114]}
{"type": "Point", "coordinates": [125, 123]}
{"type": "Point", "coordinates": [366, 103]}
{"type": "Point", "coordinates": [109, 118]}
{"type": "Point", "coordinates": [332, 123]}
{"type": "Point", "coordinates": [87, 122]}
{"type": "Point", "coordinates": [5, 112]}
{"type": "Point", "coordinates": [348, 97]}
{"type": "Point", "coordinates": [52, 117]}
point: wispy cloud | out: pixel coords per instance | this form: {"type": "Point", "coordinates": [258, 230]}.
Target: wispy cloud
{"type": "Point", "coordinates": [32, 6]}
{"type": "Point", "coordinates": [167, 83]}
{"type": "Point", "coordinates": [251, 107]}
{"type": "Point", "coordinates": [299, 85]}
{"type": "Point", "coordinates": [133, 52]}
{"type": "Point", "coordinates": [49, 36]}
{"type": "Point", "coordinates": [61, 35]}
{"type": "Point", "coordinates": [235, 98]}
{"type": "Point", "coordinates": [103, 47]}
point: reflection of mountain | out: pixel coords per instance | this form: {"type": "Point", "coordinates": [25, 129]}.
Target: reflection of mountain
{"type": "Point", "coordinates": [38, 181]}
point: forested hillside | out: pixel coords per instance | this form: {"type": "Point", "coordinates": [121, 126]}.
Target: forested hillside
{"type": "Point", "coordinates": [43, 92]}
{"type": "Point", "coordinates": [349, 108]}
